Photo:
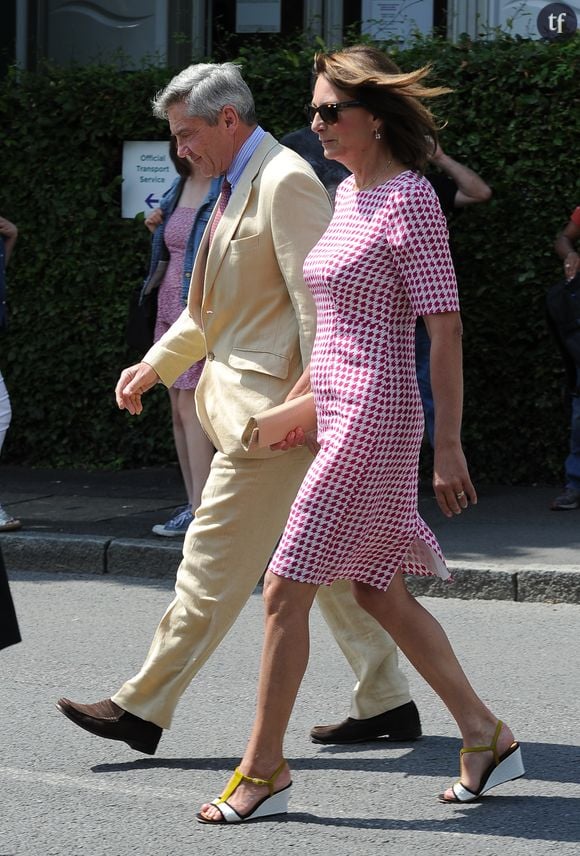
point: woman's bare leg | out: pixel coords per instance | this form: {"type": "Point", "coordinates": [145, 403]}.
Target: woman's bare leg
{"type": "Point", "coordinates": [198, 450]}
{"type": "Point", "coordinates": [194, 450]}
{"type": "Point", "coordinates": [424, 642]}
{"type": "Point", "coordinates": [284, 660]}
{"type": "Point", "coordinates": [180, 441]}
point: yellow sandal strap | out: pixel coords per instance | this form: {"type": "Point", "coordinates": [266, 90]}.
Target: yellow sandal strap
{"type": "Point", "coordinates": [491, 748]}
{"type": "Point", "coordinates": [238, 777]}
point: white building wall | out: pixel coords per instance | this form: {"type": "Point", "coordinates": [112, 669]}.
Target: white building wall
{"type": "Point", "coordinates": [99, 30]}
{"type": "Point", "coordinates": [82, 32]}
{"type": "Point", "coordinates": [516, 17]}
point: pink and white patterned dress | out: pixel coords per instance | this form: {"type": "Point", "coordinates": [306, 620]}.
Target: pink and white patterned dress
{"type": "Point", "coordinates": [169, 300]}
{"type": "Point", "coordinates": [383, 261]}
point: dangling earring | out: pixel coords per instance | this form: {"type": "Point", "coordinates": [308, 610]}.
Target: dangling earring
{"type": "Point", "coordinates": [378, 135]}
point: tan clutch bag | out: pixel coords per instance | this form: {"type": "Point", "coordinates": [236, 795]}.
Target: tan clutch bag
{"type": "Point", "coordinates": [271, 426]}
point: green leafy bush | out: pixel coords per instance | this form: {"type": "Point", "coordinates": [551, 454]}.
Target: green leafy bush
{"type": "Point", "coordinates": [513, 116]}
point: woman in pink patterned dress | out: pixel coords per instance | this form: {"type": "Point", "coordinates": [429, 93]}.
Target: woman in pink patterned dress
{"type": "Point", "coordinates": [383, 261]}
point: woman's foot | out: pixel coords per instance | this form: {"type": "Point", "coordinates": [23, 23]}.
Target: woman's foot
{"type": "Point", "coordinates": [483, 753]}
{"type": "Point", "coordinates": [245, 794]}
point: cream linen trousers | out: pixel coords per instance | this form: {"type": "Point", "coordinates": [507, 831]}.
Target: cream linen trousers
{"type": "Point", "coordinates": [244, 507]}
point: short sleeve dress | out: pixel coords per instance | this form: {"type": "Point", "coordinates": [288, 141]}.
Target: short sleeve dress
{"type": "Point", "coordinates": [383, 261]}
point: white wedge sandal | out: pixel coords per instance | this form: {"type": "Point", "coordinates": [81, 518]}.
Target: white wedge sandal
{"type": "Point", "coordinates": [274, 803]}
{"type": "Point", "coordinates": [505, 768]}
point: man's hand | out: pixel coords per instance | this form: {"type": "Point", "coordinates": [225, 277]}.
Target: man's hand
{"type": "Point", "coordinates": [134, 381]}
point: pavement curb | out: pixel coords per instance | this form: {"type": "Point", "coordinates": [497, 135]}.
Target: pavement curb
{"type": "Point", "coordinates": [140, 558]}
{"type": "Point", "coordinates": [100, 555]}
{"type": "Point", "coordinates": [52, 552]}
{"type": "Point", "coordinates": [90, 554]}
{"type": "Point", "coordinates": [501, 582]}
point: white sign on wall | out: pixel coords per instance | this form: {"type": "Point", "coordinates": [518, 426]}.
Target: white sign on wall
{"type": "Point", "coordinates": [148, 172]}
{"type": "Point", "coordinates": [392, 19]}
{"type": "Point", "coordinates": [258, 16]}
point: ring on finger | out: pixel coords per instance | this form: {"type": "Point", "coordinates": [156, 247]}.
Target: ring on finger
{"type": "Point", "coordinates": [460, 494]}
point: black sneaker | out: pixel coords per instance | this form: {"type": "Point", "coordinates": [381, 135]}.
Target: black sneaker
{"type": "Point", "coordinates": [567, 501]}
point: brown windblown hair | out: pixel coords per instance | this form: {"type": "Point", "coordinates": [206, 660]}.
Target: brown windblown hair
{"type": "Point", "coordinates": [370, 76]}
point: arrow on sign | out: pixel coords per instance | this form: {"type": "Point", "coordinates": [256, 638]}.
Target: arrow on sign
{"type": "Point", "coordinates": [152, 201]}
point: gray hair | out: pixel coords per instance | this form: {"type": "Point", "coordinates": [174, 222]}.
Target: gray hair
{"type": "Point", "coordinates": [206, 88]}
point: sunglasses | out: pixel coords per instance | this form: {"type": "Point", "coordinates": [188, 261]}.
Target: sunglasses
{"type": "Point", "coordinates": [329, 113]}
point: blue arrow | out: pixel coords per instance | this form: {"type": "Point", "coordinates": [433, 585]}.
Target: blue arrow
{"type": "Point", "coordinates": [152, 201]}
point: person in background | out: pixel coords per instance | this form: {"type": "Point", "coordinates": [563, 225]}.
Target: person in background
{"type": "Point", "coordinates": [177, 226]}
{"type": "Point", "coordinates": [565, 247]}
{"type": "Point", "coordinates": [456, 186]}
{"type": "Point", "coordinates": [8, 236]}
{"type": "Point", "coordinates": [307, 145]}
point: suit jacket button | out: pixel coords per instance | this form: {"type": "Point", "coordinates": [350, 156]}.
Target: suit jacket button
{"type": "Point", "coordinates": [211, 356]}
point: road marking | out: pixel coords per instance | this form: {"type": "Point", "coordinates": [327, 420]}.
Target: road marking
{"type": "Point", "coordinates": [61, 780]}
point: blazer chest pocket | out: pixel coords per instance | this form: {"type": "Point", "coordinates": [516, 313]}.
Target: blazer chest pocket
{"type": "Point", "coordinates": [264, 362]}
{"type": "Point", "coordinates": [244, 245]}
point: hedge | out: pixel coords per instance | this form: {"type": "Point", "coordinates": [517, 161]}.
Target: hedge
{"type": "Point", "coordinates": [513, 116]}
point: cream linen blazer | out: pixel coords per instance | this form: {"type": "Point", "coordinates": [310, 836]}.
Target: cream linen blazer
{"type": "Point", "coordinates": [249, 310]}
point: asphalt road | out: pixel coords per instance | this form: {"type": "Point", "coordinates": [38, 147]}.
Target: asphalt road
{"type": "Point", "coordinates": [67, 793]}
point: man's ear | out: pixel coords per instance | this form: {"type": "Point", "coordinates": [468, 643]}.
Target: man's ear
{"type": "Point", "coordinates": [230, 116]}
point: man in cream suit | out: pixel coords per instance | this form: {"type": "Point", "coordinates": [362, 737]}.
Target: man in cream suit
{"type": "Point", "coordinates": [251, 316]}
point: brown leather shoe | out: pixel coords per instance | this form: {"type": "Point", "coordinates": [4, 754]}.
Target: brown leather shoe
{"type": "Point", "coordinates": [107, 719]}
{"type": "Point", "coordinates": [401, 723]}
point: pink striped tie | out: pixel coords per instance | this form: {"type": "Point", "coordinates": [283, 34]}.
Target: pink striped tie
{"type": "Point", "coordinates": [223, 200]}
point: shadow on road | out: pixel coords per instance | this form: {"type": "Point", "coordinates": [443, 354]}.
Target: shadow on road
{"type": "Point", "coordinates": [533, 818]}
{"type": "Point", "coordinates": [548, 818]}
{"type": "Point", "coordinates": [548, 762]}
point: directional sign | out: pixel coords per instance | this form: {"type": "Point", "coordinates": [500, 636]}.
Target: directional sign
{"type": "Point", "coordinates": [147, 173]}
{"type": "Point", "coordinates": [152, 201]}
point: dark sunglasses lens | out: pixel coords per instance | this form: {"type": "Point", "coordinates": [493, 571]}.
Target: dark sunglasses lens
{"type": "Point", "coordinates": [327, 113]}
